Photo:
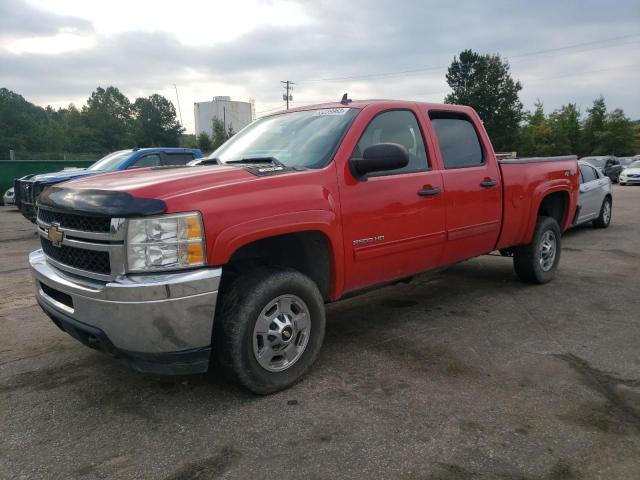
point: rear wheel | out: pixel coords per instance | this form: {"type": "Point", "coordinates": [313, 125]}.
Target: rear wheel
{"type": "Point", "coordinates": [538, 261]}
{"type": "Point", "coordinates": [604, 218]}
{"type": "Point", "coordinates": [269, 328]}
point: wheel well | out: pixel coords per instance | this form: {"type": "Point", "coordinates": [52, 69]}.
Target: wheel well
{"type": "Point", "coordinates": [554, 205]}
{"type": "Point", "coordinates": [306, 252]}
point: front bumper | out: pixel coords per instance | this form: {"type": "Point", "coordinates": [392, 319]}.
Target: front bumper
{"type": "Point", "coordinates": [630, 180]}
{"type": "Point", "coordinates": [155, 323]}
{"type": "Point", "coordinates": [9, 200]}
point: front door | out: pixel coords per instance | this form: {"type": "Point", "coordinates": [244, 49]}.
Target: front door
{"type": "Point", "coordinates": [472, 187]}
{"type": "Point", "coordinates": [393, 222]}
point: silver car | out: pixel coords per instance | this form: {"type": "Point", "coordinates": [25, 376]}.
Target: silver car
{"type": "Point", "coordinates": [9, 198]}
{"type": "Point", "coordinates": [631, 174]}
{"type": "Point", "coordinates": [595, 202]}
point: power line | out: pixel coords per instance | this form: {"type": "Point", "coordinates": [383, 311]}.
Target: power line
{"type": "Point", "coordinates": [573, 74]}
{"type": "Point", "coordinates": [440, 67]}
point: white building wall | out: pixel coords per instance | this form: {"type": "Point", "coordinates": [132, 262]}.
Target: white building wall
{"type": "Point", "coordinates": [231, 113]}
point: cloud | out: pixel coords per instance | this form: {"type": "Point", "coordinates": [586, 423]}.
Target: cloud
{"type": "Point", "coordinates": [19, 19]}
{"type": "Point", "coordinates": [351, 39]}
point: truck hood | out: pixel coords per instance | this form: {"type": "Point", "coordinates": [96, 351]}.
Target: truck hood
{"type": "Point", "coordinates": [63, 175]}
{"type": "Point", "coordinates": [163, 183]}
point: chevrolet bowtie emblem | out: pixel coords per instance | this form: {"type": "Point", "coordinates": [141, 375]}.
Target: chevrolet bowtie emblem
{"type": "Point", "coordinates": [55, 235]}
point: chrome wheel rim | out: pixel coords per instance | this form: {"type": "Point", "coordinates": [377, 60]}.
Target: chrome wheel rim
{"type": "Point", "coordinates": [281, 333]}
{"type": "Point", "coordinates": [547, 250]}
{"type": "Point", "coordinates": [606, 212]}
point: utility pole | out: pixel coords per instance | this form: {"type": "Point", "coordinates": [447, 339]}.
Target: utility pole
{"type": "Point", "coordinates": [288, 87]}
{"type": "Point", "coordinates": [179, 110]}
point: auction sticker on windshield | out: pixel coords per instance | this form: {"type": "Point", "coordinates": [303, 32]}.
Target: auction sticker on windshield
{"type": "Point", "coordinates": [329, 111]}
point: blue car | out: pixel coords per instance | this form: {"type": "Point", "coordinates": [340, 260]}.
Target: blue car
{"type": "Point", "coordinates": [29, 187]}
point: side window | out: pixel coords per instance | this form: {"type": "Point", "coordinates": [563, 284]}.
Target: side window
{"type": "Point", "coordinates": [396, 126]}
{"type": "Point", "coordinates": [152, 160]}
{"type": "Point", "coordinates": [458, 141]}
{"type": "Point", "coordinates": [587, 173]}
{"type": "Point", "coordinates": [178, 158]}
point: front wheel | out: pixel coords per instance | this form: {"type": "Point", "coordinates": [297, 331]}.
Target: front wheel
{"type": "Point", "coordinates": [538, 261]}
{"type": "Point", "coordinates": [604, 218]}
{"type": "Point", "coordinates": [270, 328]}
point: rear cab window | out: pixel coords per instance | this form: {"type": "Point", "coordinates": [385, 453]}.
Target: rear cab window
{"type": "Point", "coordinates": [178, 158]}
{"type": "Point", "coordinates": [150, 160]}
{"type": "Point", "coordinates": [458, 140]}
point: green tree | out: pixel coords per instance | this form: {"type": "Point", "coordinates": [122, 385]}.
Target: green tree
{"type": "Point", "coordinates": [219, 134]}
{"type": "Point", "coordinates": [565, 129]}
{"type": "Point", "coordinates": [155, 123]}
{"type": "Point", "coordinates": [23, 125]}
{"type": "Point", "coordinates": [230, 131]}
{"type": "Point", "coordinates": [109, 116]}
{"type": "Point", "coordinates": [204, 142]}
{"type": "Point", "coordinates": [484, 82]}
{"type": "Point", "coordinates": [188, 140]}
{"type": "Point", "coordinates": [593, 126]}
{"type": "Point", "coordinates": [535, 137]}
{"type": "Point", "coordinates": [617, 137]}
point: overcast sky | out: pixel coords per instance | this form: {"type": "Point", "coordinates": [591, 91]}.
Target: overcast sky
{"type": "Point", "coordinates": [57, 51]}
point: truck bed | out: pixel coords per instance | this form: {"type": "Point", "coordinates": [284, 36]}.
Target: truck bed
{"type": "Point", "coordinates": [524, 181]}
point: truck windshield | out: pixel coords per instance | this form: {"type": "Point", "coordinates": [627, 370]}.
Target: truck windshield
{"type": "Point", "coordinates": [111, 162]}
{"type": "Point", "coordinates": [306, 139]}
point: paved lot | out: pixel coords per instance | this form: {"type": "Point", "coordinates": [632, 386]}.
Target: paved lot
{"type": "Point", "coordinates": [468, 374]}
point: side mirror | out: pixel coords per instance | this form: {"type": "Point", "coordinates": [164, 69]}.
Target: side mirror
{"type": "Point", "coordinates": [379, 158]}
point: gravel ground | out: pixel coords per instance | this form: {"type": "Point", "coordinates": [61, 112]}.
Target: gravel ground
{"type": "Point", "coordinates": [466, 374]}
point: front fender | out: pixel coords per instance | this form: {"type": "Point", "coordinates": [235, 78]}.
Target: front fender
{"type": "Point", "coordinates": [229, 240]}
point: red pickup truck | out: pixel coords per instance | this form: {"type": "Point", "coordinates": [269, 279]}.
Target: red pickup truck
{"type": "Point", "coordinates": [234, 259]}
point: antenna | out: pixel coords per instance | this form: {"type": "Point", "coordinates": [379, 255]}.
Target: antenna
{"type": "Point", "coordinates": [345, 99]}
{"type": "Point", "coordinates": [179, 110]}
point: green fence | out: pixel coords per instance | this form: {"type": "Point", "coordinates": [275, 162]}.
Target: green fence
{"type": "Point", "coordinates": [12, 169]}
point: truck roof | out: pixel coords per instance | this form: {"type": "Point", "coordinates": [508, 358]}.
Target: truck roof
{"type": "Point", "coordinates": [360, 104]}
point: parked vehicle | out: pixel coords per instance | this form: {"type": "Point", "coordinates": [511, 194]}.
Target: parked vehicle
{"type": "Point", "coordinates": [595, 203]}
{"type": "Point", "coordinates": [306, 206]}
{"type": "Point", "coordinates": [9, 197]}
{"type": "Point", "coordinates": [631, 174]}
{"type": "Point", "coordinates": [626, 161]}
{"type": "Point", "coordinates": [28, 188]}
{"type": "Point", "coordinates": [608, 164]}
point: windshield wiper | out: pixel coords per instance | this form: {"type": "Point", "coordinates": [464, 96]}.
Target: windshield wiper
{"type": "Point", "coordinates": [273, 160]}
{"type": "Point", "coordinates": [209, 161]}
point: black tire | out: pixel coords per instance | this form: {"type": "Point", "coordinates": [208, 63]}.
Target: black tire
{"type": "Point", "coordinates": [604, 219]}
{"type": "Point", "coordinates": [527, 258]}
{"type": "Point", "coordinates": [240, 307]}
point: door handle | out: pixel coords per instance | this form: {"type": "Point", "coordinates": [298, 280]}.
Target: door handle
{"type": "Point", "coordinates": [488, 183]}
{"type": "Point", "coordinates": [429, 192]}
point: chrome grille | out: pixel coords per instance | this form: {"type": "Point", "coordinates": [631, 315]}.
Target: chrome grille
{"type": "Point", "coordinates": [80, 258]}
{"type": "Point", "coordinates": [85, 245]}
{"type": "Point", "coordinates": [75, 222]}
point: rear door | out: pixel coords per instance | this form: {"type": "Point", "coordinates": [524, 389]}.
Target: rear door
{"type": "Point", "coordinates": [393, 222]}
{"type": "Point", "coordinates": [472, 186]}
{"type": "Point", "coordinates": [590, 193]}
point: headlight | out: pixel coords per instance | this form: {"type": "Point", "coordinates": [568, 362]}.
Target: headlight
{"type": "Point", "coordinates": [167, 242]}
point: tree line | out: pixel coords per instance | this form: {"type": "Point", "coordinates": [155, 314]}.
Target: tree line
{"type": "Point", "coordinates": [484, 82]}
{"type": "Point", "coordinates": [108, 121]}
